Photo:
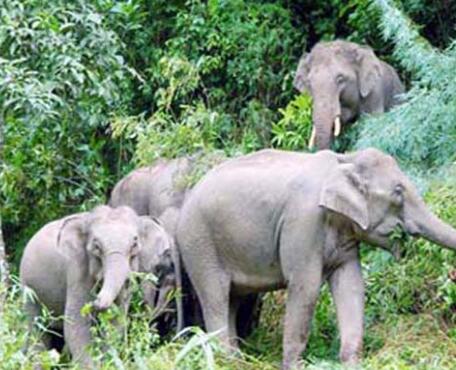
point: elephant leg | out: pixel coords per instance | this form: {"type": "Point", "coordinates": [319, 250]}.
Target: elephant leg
{"type": "Point", "coordinates": [215, 304]}
{"type": "Point", "coordinates": [248, 315]}
{"type": "Point", "coordinates": [302, 268]}
{"type": "Point", "coordinates": [213, 289]}
{"type": "Point", "coordinates": [347, 289]}
{"type": "Point", "coordinates": [374, 104]}
{"type": "Point", "coordinates": [33, 310]}
{"type": "Point", "coordinates": [77, 327]}
{"type": "Point", "coordinates": [235, 302]}
{"type": "Point", "coordinates": [302, 295]}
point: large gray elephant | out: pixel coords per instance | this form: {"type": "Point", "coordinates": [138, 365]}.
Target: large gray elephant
{"type": "Point", "coordinates": [277, 219]}
{"type": "Point", "coordinates": [345, 79]}
{"type": "Point", "coordinates": [160, 190]}
{"type": "Point", "coordinates": [66, 259]}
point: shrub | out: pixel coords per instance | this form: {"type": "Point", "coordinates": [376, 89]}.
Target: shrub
{"type": "Point", "coordinates": [62, 74]}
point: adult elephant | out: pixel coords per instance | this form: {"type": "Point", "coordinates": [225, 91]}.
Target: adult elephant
{"type": "Point", "coordinates": [157, 190]}
{"type": "Point", "coordinates": [345, 79]}
{"type": "Point", "coordinates": [277, 219]}
{"type": "Point", "coordinates": [67, 259]}
{"type": "Point", "coordinates": [160, 190]}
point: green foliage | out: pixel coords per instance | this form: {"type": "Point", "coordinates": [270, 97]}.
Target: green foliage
{"type": "Point", "coordinates": [421, 132]}
{"type": "Point", "coordinates": [134, 347]}
{"type": "Point", "coordinates": [224, 70]}
{"type": "Point", "coordinates": [62, 75]}
{"type": "Point", "coordinates": [292, 131]}
{"type": "Point", "coordinates": [437, 19]}
{"type": "Point", "coordinates": [242, 51]}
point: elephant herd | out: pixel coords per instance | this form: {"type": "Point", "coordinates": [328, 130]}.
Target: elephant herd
{"type": "Point", "coordinates": [256, 223]}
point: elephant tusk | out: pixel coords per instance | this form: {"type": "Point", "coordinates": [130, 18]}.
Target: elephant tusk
{"type": "Point", "coordinates": [337, 126]}
{"type": "Point", "coordinates": [312, 139]}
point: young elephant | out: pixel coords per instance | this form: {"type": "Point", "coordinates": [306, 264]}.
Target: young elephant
{"type": "Point", "coordinates": [345, 80]}
{"type": "Point", "coordinates": [277, 219]}
{"type": "Point", "coordinates": [65, 260]}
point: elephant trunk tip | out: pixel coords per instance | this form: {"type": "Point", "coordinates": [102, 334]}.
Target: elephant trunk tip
{"type": "Point", "coordinates": [115, 278]}
{"type": "Point", "coordinates": [433, 229]}
{"type": "Point", "coordinates": [102, 303]}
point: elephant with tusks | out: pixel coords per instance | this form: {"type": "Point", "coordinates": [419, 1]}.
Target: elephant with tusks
{"type": "Point", "coordinates": [345, 80]}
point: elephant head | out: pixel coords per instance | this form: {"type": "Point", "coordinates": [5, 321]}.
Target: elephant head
{"type": "Point", "coordinates": [156, 257]}
{"type": "Point", "coordinates": [369, 189]}
{"type": "Point", "coordinates": [338, 75]}
{"type": "Point", "coordinates": [105, 244]}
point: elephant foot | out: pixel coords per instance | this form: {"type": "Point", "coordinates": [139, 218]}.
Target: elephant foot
{"type": "Point", "coordinates": [350, 359]}
{"type": "Point", "coordinates": [295, 365]}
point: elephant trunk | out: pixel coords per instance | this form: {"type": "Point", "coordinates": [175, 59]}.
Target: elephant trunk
{"type": "Point", "coordinates": [178, 283]}
{"type": "Point", "coordinates": [115, 273]}
{"type": "Point", "coordinates": [430, 227]}
{"type": "Point", "coordinates": [326, 120]}
{"type": "Point", "coordinates": [162, 300]}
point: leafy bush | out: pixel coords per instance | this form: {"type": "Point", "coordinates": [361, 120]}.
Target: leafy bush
{"type": "Point", "coordinates": [224, 70]}
{"type": "Point", "coordinates": [293, 130]}
{"type": "Point", "coordinates": [62, 74]}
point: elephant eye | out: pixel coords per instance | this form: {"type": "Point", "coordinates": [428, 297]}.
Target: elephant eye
{"type": "Point", "coordinates": [340, 79]}
{"type": "Point", "coordinates": [399, 189]}
{"type": "Point", "coordinates": [96, 248]}
{"type": "Point", "coordinates": [135, 246]}
{"type": "Point", "coordinates": [398, 194]}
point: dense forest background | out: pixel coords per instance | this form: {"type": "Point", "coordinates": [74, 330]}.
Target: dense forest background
{"type": "Point", "coordinates": [93, 88]}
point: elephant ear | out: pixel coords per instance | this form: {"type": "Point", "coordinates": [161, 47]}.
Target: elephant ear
{"type": "Point", "coordinates": [72, 236]}
{"type": "Point", "coordinates": [155, 243]}
{"type": "Point", "coordinates": [344, 192]}
{"type": "Point", "coordinates": [369, 72]}
{"type": "Point", "coordinates": [301, 79]}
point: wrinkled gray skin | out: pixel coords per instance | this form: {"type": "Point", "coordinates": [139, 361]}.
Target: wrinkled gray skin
{"type": "Point", "coordinates": [277, 219]}
{"type": "Point", "coordinates": [159, 190]}
{"type": "Point", "coordinates": [345, 80]}
{"type": "Point", "coordinates": [66, 259]}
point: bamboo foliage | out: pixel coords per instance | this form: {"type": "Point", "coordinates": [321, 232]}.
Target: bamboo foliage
{"type": "Point", "coordinates": [421, 132]}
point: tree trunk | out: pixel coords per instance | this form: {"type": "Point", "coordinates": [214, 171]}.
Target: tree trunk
{"type": "Point", "coordinates": [4, 272]}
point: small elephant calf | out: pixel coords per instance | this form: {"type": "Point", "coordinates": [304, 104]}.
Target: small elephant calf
{"type": "Point", "coordinates": [65, 260]}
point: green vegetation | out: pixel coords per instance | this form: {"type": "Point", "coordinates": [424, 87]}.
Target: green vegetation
{"type": "Point", "coordinates": [422, 132]}
{"type": "Point", "coordinates": [91, 89]}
